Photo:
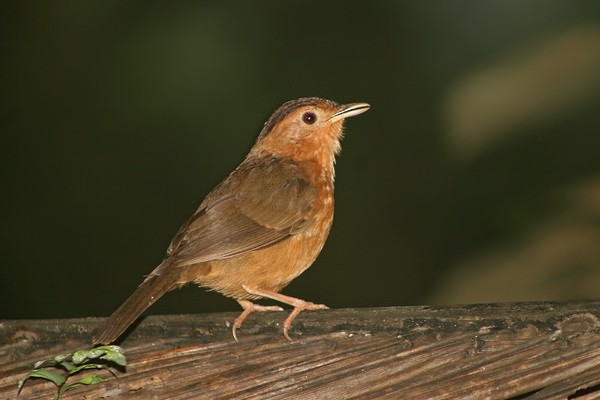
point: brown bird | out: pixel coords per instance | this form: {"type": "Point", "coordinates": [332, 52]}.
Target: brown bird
{"type": "Point", "coordinates": [263, 225]}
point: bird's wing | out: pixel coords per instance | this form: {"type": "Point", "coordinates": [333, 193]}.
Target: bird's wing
{"type": "Point", "coordinates": [261, 203]}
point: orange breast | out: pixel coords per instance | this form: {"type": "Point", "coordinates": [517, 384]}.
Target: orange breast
{"type": "Point", "coordinates": [271, 268]}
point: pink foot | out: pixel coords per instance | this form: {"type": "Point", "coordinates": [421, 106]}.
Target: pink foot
{"type": "Point", "coordinates": [249, 307]}
{"type": "Point", "coordinates": [298, 304]}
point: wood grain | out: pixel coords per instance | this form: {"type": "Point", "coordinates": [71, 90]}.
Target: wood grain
{"type": "Point", "coordinates": [487, 351]}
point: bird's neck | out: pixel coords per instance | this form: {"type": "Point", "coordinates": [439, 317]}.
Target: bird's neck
{"type": "Point", "coordinates": [318, 150]}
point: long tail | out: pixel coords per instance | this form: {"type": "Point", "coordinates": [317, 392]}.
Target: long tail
{"type": "Point", "coordinates": [158, 283]}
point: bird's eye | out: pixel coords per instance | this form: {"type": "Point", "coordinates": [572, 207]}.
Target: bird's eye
{"type": "Point", "coordinates": [309, 118]}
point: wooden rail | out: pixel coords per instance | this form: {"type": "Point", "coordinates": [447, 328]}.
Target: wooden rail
{"type": "Point", "coordinates": [488, 351]}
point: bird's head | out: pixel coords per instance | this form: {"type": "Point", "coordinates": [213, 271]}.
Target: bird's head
{"type": "Point", "coordinates": [306, 129]}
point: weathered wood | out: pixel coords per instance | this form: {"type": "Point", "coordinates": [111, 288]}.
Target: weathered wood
{"type": "Point", "coordinates": [497, 351]}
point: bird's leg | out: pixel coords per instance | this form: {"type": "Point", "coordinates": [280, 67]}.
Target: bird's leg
{"type": "Point", "coordinates": [298, 304]}
{"type": "Point", "coordinates": [249, 307]}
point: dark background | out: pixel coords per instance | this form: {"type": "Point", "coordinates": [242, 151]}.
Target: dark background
{"type": "Point", "coordinates": [475, 176]}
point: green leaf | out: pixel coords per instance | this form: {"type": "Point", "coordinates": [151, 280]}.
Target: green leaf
{"type": "Point", "coordinates": [62, 357]}
{"type": "Point", "coordinates": [68, 366]}
{"type": "Point", "coordinates": [80, 356]}
{"type": "Point", "coordinates": [116, 357]}
{"type": "Point", "coordinates": [111, 348]}
{"type": "Point", "coordinates": [90, 379]}
{"type": "Point", "coordinates": [86, 366]}
{"type": "Point", "coordinates": [51, 376]}
{"type": "Point", "coordinates": [109, 353]}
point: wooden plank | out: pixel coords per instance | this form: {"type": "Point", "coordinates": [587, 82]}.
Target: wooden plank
{"type": "Point", "coordinates": [496, 351]}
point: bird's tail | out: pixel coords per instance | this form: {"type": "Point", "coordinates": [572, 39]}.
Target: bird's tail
{"type": "Point", "coordinates": [154, 286]}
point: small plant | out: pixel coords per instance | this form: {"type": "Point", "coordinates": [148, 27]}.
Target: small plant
{"type": "Point", "coordinates": [70, 364]}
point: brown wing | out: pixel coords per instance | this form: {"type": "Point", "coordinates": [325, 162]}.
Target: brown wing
{"type": "Point", "coordinates": [261, 203]}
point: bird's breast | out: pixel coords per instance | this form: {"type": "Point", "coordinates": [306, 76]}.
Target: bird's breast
{"type": "Point", "coordinates": [273, 267]}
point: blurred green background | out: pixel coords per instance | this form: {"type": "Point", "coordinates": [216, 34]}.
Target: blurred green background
{"type": "Point", "coordinates": [475, 176]}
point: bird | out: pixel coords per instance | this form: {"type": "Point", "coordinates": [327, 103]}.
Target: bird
{"type": "Point", "coordinates": [262, 226]}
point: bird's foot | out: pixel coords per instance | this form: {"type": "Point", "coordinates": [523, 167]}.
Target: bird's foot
{"type": "Point", "coordinates": [298, 304]}
{"type": "Point", "coordinates": [249, 307]}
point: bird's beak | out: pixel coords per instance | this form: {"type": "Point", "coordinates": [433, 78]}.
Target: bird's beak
{"type": "Point", "coordinates": [349, 110]}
